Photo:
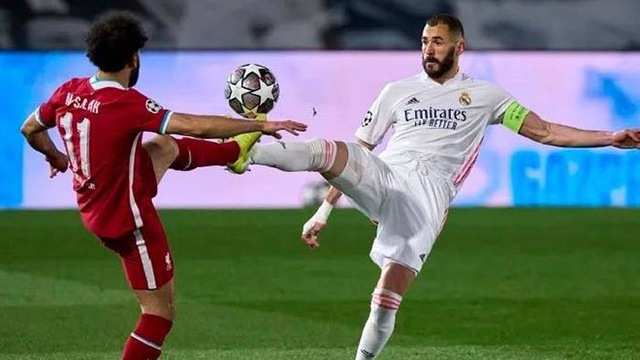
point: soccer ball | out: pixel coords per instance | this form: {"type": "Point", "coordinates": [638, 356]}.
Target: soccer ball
{"type": "Point", "coordinates": [252, 89]}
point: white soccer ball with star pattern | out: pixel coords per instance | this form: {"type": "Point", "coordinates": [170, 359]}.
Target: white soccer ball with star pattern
{"type": "Point", "coordinates": [252, 89]}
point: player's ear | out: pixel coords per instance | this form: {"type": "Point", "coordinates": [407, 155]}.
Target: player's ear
{"type": "Point", "coordinates": [461, 46]}
{"type": "Point", "coordinates": [135, 61]}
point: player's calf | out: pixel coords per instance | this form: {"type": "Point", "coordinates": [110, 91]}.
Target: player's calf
{"type": "Point", "coordinates": [380, 324]}
{"type": "Point", "coordinates": [145, 342]}
{"type": "Point", "coordinates": [319, 155]}
{"type": "Point", "coordinates": [158, 311]}
{"type": "Point", "coordinates": [385, 302]}
{"type": "Point", "coordinates": [195, 153]}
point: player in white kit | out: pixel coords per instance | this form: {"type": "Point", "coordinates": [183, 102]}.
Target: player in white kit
{"type": "Point", "coordinates": [439, 117]}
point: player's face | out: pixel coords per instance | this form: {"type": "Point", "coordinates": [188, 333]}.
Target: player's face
{"type": "Point", "coordinates": [135, 72]}
{"type": "Point", "coordinates": [439, 51]}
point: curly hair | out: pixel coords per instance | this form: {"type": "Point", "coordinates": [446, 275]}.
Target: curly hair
{"type": "Point", "coordinates": [112, 42]}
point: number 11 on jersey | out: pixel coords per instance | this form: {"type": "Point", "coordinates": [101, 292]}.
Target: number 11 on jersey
{"type": "Point", "coordinates": [77, 150]}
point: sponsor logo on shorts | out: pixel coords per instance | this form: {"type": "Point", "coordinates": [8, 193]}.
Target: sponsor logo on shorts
{"type": "Point", "coordinates": [422, 257]}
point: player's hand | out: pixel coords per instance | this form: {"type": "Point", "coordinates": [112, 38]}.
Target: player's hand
{"type": "Point", "coordinates": [310, 231]}
{"type": "Point", "coordinates": [627, 139]}
{"type": "Point", "coordinates": [57, 163]}
{"type": "Point", "coordinates": [318, 221]}
{"type": "Point", "coordinates": [272, 128]}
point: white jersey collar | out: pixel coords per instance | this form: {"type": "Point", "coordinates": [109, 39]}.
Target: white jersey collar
{"type": "Point", "coordinates": [459, 76]}
{"type": "Point", "coordinates": [97, 84]}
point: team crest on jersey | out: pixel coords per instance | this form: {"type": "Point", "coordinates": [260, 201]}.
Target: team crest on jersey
{"type": "Point", "coordinates": [367, 119]}
{"type": "Point", "coordinates": [465, 99]}
{"type": "Point", "coordinates": [153, 106]}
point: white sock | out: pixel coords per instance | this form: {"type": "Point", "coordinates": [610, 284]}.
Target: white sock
{"type": "Point", "coordinates": [379, 326]}
{"type": "Point", "coordinates": [313, 155]}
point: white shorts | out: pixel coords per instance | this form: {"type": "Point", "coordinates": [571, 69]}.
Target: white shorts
{"type": "Point", "coordinates": [409, 205]}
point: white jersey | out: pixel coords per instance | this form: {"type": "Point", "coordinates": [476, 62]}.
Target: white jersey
{"type": "Point", "coordinates": [440, 124]}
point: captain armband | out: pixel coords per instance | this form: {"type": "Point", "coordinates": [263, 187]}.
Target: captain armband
{"type": "Point", "coordinates": [514, 116]}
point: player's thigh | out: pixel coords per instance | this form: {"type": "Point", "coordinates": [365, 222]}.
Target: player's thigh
{"type": "Point", "coordinates": [145, 253]}
{"type": "Point", "coordinates": [162, 150]}
{"type": "Point", "coordinates": [365, 180]}
{"type": "Point", "coordinates": [410, 222]}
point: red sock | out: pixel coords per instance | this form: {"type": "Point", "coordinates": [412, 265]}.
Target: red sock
{"type": "Point", "coordinates": [146, 340]}
{"type": "Point", "coordinates": [195, 153]}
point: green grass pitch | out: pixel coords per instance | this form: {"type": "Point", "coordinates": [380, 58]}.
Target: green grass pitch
{"type": "Point", "coordinates": [499, 284]}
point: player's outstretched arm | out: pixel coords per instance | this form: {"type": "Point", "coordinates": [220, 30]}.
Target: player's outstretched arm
{"type": "Point", "coordinates": [548, 133]}
{"type": "Point", "coordinates": [38, 138]}
{"type": "Point", "coordinates": [213, 126]}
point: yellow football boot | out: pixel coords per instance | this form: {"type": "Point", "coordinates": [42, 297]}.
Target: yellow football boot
{"type": "Point", "coordinates": [245, 142]}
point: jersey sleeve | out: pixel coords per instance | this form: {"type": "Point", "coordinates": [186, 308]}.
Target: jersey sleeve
{"type": "Point", "coordinates": [500, 101]}
{"type": "Point", "coordinates": [378, 119]}
{"type": "Point", "coordinates": [148, 114]}
{"type": "Point", "coordinates": [45, 114]}
{"type": "Point", "coordinates": [507, 110]}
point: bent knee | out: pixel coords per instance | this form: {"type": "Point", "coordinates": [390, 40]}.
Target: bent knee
{"type": "Point", "coordinates": [342, 155]}
{"type": "Point", "coordinates": [161, 146]}
{"type": "Point", "coordinates": [165, 310]}
{"type": "Point", "coordinates": [396, 277]}
{"type": "Point", "coordinates": [159, 302]}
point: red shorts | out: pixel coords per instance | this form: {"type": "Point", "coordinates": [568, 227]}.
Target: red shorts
{"type": "Point", "coordinates": [145, 254]}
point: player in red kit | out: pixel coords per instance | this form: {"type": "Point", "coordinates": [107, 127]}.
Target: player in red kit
{"type": "Point", "coordinates": [115, 175]}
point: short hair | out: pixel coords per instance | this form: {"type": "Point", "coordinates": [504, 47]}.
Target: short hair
{"type": "Point", "coordinates": [454, 24]}
{"type": "Point", "coordinates": [112, 41]}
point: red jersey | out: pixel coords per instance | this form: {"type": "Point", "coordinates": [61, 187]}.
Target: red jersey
{"type": "Point", "coordinates": [101, 124]}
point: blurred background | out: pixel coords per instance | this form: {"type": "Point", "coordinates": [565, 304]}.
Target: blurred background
{"type": "Point", "coordinates": [329, 24]}
{"type": "Point", "coordinates": [516, 281]}
{"type": "Point", "coordinates": [572, 61]}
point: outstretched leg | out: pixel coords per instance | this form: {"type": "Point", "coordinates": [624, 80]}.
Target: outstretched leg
{"type": "Point", "coordinates": [186, 154]}
{"type": "Point", "coordinates": [326, 157]}
{"type": "Point", "coordinates": [385, 302]}
{"type": "Point", "coordinates": [343, 165]}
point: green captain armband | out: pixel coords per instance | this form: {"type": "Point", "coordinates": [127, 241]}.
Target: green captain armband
{"type": "Point", "coordinates": [513, 117]}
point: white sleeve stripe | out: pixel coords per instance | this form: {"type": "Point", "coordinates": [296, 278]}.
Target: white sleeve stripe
{"type": "Point", "coordinates": [165, 122]}
{"type": "Point", "coordinates": [36, 114]}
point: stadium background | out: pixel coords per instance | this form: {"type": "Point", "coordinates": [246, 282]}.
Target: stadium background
{"type": "Point", "coordinates": [510, 283]}
{"type": "Point", "coordinates": [581, 88]}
